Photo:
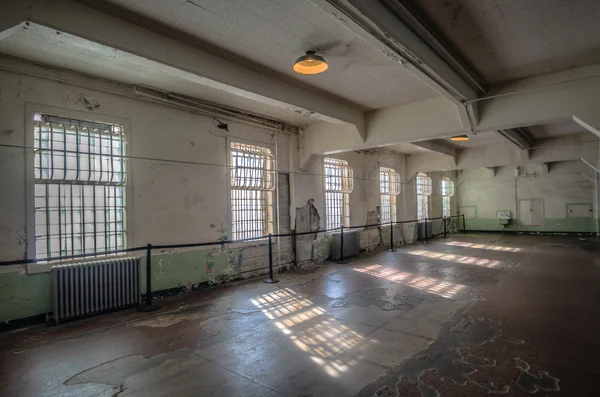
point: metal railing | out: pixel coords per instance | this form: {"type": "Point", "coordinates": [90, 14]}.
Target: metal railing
{"type": "Point", "coordinates": [147, 306]}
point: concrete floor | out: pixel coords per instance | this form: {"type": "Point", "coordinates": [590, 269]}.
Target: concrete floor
{"type": "Point", "coordinates": [458, 317]}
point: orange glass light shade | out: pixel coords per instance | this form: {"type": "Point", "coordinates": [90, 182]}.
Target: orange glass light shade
{"type": "Point", "coordinates": [459, 138]}
{"type": "Point", "coordinates": [310, 64]}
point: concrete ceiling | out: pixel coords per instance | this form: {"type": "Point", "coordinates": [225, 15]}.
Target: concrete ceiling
{"type": "Point", "coordinates": [555, 129]}
{"type": "Point", "coordinates": [407, 148]}
{"type": "Point", "coordinates": [47, 46]}
{"type": "Point", "coordinates": [514, 39]}
{"type": "Point", "coordinates": [272, 34]}
{"type": "Point", "coordinates": [487, 138]}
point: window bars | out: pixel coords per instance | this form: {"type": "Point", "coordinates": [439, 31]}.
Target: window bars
{"type": "Point", "coordinates": [389, 186]}
{"type": "Point", "coordinates": [447, 188]}
{"type": "Point", "coordinates": [339, 176]}
{"type": "Point", "coordinates": [447, 192]}
{"type": "Point", "coordinates": [424, 190]}
{"type": "Point", "coordinates": [252, 181]}
{"type": "Point", "coordinates": [80, 175]}
{"type": "Point", "coordinates": [389, 181]}
{"type": "Point", "coordinates": [339, 182]}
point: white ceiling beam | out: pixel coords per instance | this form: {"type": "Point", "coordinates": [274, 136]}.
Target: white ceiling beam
{"type": "Point", "coordinates": [439, 147]}
{"type": "Point", "coordinates": [568, 148]}
{"type": "Point", "coordinates": [390, 32]}
{"type": "Point", "coordinates": [79, 20]}
{"type": "Point", "coordinates": [541, 100]}
{"type": "Point", "coordinates": [415, 121]}
{"type": "Point", "coordinates": [490, 171]}
{"type": "Point", "coordinates": [517, 136]}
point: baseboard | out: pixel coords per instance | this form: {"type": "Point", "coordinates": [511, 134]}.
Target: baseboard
{"type": "Point", "coordinates": [23, 322]}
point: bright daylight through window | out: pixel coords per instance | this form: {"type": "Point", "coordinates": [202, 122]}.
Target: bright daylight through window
{"type": "Point", "coordinates": [252, 183]}
{"type": "Point", "coordinates": [80, 176]}
{"type": "Point", "coordinates": [389, 188]}
{"type": "Point", "coordinates": [424, 190]}
{"type": "Point", "coordinates": [339, 183]}
{"type": "Point", "coordinates": [447, 192]}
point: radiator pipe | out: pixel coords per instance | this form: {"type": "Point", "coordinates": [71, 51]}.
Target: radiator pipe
{"type": "Point", "coordinates": [444, 221]}
{"type": "Point", "coordinates": [270, 279]}
{"type": "Point", "coordinates": [148, 306]}
{"type": "Point", "coordinates": [392, 237]}
{"type": "Point", "coordinates": [342, 261]}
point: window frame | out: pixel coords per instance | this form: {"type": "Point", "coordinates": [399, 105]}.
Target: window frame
{"type": "Point", "coordinates": [447, 198]}
{"type": "Point", "coordinates": [30, 110]}
{"type": "Point", "coordinates": [422, 197]}
{"type": "Point", "coordinates": [346, 187]}
{"type": "Point", "coordinates": [393, 188]}
{"type": "Point", "coordinates": [271, 198]}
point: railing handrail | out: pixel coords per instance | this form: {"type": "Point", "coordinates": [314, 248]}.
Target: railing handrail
{"type": "Point", "coordinates": [205, 244]}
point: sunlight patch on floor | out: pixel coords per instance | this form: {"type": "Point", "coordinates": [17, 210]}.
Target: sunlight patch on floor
{"type": "Point", "coordinates": [468, 260]}
{"type": "Point", "coordinates": [323, 340]}
{"type": "Point", "coordinates": [483, 246]}
{"type": "Point", "coordinates": [431, 285]}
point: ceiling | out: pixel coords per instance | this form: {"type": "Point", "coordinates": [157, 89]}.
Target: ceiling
{"type": "Point", "coordinates": [513, 39]}
{"type": "Point", "coordinates": [556, 129]}
{"type": "Point", "coordinates": [408, 148]}
{"type": "Point", "coordinates": [44, 45]}
{"type": "Point", "coordinates": [486, 138]}
{"type": "Point", "coordinates": [272, 34]}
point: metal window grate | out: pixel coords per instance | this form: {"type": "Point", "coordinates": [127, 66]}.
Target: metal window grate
{"type": "Point", "coordinates": [447, 188]}
{"type": "Point", "coordinates": [339, 182]}
{"type": "Point", "coordinates": [389, 181]}
{"type": "Point", "coordinates": [446, 212]}
{"type": "Point", "coordinates": [447, 192]}
{"type": "Point", "coordinates": [424, 185]}
{"type": "Point", "coordinates": [252, 181]}
{"type": "Point", "coordinates": [389, 187]}
{"type": "Point", "coordinates": [80, 174]}
{"type": "Point", "coordinates": [339, 176]}
{"type": "Point", "coordinates": [424, 190]}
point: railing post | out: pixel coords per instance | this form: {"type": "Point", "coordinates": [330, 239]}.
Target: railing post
{"type": "Point", "coordinates": [148, 306]}
{"type": "Point", "coordinates": [342, 261]}
{"type": "Point", "coordinates": [444, 221]}
{"type": "Point", "coordinates": [464, 225]}
{"type": "Point", "coordinates": [271, 279]}
{"type": "Point", "coordinates": [392, 237]}
{"type": "Point", "coordinates": [426, 230]}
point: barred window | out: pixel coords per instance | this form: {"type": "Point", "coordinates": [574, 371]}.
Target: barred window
{"type": "Point", "coordinates": [252, 183]}
{"type": "Point", "coordinates": [339, 183]}
{"type": "Point", "coordinates": [447, 192]}
{"type": "Point", "coordinates": [389, 186]}
{"type": "Point", "coordinates": [80, 176]}
{"type": "Point", "coordinates": [424, 190]}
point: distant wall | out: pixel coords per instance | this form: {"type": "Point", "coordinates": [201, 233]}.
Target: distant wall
{"type": "Point", "coordinates": [481, 194]}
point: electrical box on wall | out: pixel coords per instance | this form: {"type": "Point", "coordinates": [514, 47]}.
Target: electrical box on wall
{"type": "Point", "coordinates": [502, 214]}
{"type": "Point", "coordinates": [503, 217]}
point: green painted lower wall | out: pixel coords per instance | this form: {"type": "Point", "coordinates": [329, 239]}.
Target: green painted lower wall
{"type": "Point", "coordinates": [24, 295]}
{"type": "Point", "coordinates": [570, 225]}
{"type": "Point", "coordinates": [189, 269]}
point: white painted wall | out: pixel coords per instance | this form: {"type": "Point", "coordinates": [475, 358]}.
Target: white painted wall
{"type": "Point", "coordinates": [567, 182]}
{"type": "Point", "coordinates": [167, 202]}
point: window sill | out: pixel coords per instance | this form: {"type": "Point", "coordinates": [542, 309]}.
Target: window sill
{"type": "Point", "coordinates": [256, 243]}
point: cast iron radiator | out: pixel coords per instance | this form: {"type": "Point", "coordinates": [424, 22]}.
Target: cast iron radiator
{"type": "Point", "coordinates": [351, 244]}
{"type": "Point", "coordinates": [83, 289]}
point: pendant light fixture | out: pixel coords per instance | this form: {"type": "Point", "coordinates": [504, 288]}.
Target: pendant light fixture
{"type": "Point", "coordinates": [310, 63]}
{"type": "Point", "coordinates": [460, 138]}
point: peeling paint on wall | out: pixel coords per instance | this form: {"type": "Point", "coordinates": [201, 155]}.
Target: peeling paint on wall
{"type": "Point", "coordinates": [309, 247]}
